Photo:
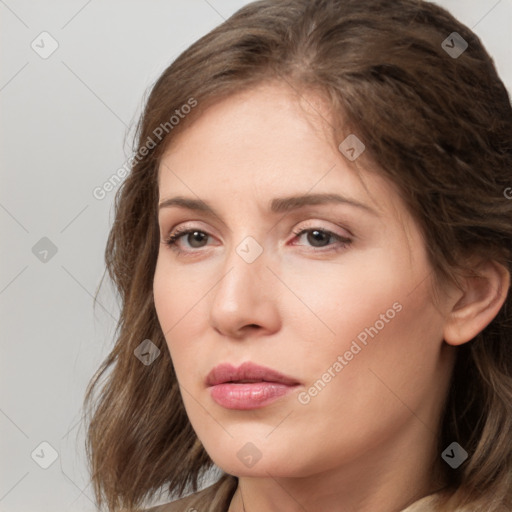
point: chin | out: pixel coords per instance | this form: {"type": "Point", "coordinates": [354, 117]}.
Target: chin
{"type": "Point", "coordinates": [246, 461]}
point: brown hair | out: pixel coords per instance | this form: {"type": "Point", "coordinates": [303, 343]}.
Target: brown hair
{"type": "Point", "coordinates": [437, 126]}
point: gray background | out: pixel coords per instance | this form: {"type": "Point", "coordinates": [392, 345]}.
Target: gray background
{"type": "Point", "coordinates": [66, 125]}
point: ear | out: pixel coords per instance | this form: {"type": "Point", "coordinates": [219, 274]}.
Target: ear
{"type": "Point", "coordinates": [478, 304]}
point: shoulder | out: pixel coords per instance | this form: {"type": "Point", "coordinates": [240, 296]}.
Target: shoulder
{"type": "Point", "coordinates": [215, 498]}
{"type": "Point", "coordinates": [426, 504]}
{"type": "Point", "coordinates": [432, 503]}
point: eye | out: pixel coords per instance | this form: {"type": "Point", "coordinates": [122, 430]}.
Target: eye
{"type": "Point", "coordinates": [197, 239]}
{"type": "Point", "coordinates": [319, 238]}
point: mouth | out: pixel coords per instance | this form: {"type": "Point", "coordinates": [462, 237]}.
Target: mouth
{"type": "Point", "coordinates": [249, 386]}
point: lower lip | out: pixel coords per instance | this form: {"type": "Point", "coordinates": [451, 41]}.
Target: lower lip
{"type": "Point", "coordinates": [248, 395]}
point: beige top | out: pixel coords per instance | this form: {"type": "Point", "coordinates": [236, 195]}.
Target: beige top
{"type": "Point", "coordinates": [217, 498]}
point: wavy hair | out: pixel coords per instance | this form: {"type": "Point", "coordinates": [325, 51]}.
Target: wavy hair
{"type": "Point", "coordinates": [436, 125]}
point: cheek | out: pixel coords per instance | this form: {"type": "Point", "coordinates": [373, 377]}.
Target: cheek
{"type": "Point", "coordinates": [379, 319]}
{"type": "Point", "coordinates": [333, 304]}
{"type": "Point", "coordinates": [177, 293]}
{"type": "Point", "coordinates": [176, 297]}
{"type": "Point", "coordinates": [383, 366]}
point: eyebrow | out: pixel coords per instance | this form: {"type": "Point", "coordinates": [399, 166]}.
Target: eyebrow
{"type": "Point", "coordinates": [277, 205]}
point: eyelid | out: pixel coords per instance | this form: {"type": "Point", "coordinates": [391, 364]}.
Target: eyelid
{"type": "Point", "coordinates": [309, 224]}
{"type": "Point", "coordinates": [192, 224]}
{"type": "Point", "coordinates": [313, 222]}
{"type": "Point", "coordinates": [341, 241]}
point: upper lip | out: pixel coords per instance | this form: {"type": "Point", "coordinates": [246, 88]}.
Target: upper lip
{"type": "Point", "coordinates": [247, 371]}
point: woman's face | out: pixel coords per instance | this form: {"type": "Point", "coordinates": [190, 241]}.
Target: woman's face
{"type": "Point", "coordinates": [343, 309]}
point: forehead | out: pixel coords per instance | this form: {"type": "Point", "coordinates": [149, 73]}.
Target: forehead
{"type": "Point", "coordinates": [266, 141]}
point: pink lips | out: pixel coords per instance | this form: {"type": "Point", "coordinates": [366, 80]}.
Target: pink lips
{"type": "Point", "coordinates": [249, 386]}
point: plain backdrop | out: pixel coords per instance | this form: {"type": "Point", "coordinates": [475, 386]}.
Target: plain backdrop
{"type": "Point", "coordinates": [67, 118]}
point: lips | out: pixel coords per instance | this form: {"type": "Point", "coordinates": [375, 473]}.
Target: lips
{"type": "Point", "coordinates": [246, 373]}
{"type": "Point", "coordinates": [249, 386]}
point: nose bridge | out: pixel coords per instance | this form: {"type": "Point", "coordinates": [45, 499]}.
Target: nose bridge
{"type": "Point", "coordinates": [242, 295]}
{"type": "Point", "coordinates": [246, 254]}
{"type": "Point", "coordinates": [245, 267]}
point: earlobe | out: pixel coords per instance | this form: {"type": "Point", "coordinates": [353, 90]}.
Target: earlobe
{"type": "Point", "coordinates": [479, 304]}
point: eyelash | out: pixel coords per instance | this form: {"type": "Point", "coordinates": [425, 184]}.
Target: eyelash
{"type": "Point", "coordinates": [171, 240]}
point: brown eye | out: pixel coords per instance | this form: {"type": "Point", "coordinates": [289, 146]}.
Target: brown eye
{"type": "Point", "coordinates": [317, 238]}
{"type": "Point", "coordinates": [320, 238]}
{"type": "Point", "coordinates": [194, 237]}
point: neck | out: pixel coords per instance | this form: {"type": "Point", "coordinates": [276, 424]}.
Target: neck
{"type": "Point", "coordinates": [376, 478]}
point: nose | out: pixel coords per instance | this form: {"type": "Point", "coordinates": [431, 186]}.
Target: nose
{"type": "Point", "coordinates": [245, 299]}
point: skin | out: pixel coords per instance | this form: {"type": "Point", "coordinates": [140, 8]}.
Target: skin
{"type": "Point", "coordinates": [367, 441]}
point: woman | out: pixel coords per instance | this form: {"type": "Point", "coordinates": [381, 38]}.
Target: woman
{"type": "Point", "coordinates": [313, 251]}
